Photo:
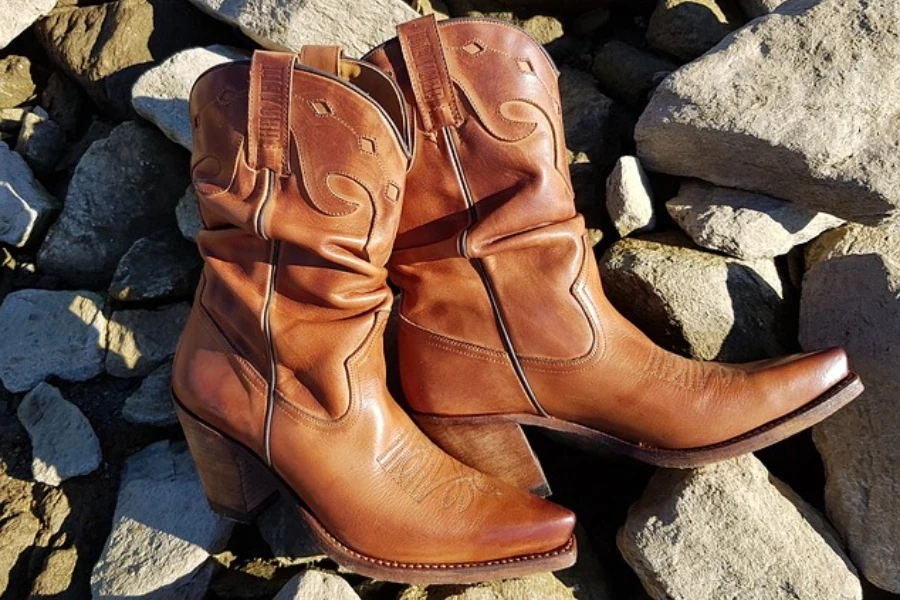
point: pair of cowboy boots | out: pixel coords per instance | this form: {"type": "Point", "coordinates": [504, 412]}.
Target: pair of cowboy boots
{"type": "Point", "coordinates": [441, 156]}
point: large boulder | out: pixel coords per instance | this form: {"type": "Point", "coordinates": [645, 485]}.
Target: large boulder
{"type": "Point", "coordinates": [45, 333]}
{"type": "Point", "coordinates": [731, 530]}
{"type": "Point", "coordinates": [25, 206]}
{"type": "Point", "coordinates": [163, 531]}
{"type": "Point", "coordinates": [851, 298]}
{"type": "Point", "coordinates": [161, 94]}
{"type": "Point", "coordinates": [801, 106]}
{"type": "Point", "coordinates": [288, 25]}
{"type": "Point", "coordinates": [125, 187]}
{"type": "Point", "coordinates": [708, 306]}
{"type": "Point", "coordinates": [744, 224]}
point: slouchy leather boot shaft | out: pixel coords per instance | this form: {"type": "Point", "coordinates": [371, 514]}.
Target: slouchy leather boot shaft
{"type": "Point", "coordinates": [502, 299]}
{"type": "Point", "coordinates": [300, 177]}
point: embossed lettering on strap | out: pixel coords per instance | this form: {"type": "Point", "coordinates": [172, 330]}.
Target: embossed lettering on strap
{"type": "Point", "coordinates": [268, 123]}
{"type": "Point", "coordinates": [423, 54]}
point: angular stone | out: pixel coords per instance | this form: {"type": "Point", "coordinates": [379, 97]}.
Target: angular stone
{"type": "Point", "coordinates": [187, 213]}
{"type": "Point", "coordinates": [25, 206]}
{"type": "Point", "coordinates": [18, 528]}
{"type": "Point", "coordinates": [152, 404]}
{"type": "Point", "coordinates": [593, 123]}
{"type": "Point", "coordinates": [759, 8]}
{"type": "Point", "coordinates": [686, 29]}
{"type": "Point", "coordinates": [163, 265]}
{"type": "Point", "coordinates": [105, 47]}
{"type": "Point", "coordinates": [288, 25]}
{"type": "Point", "coordinates": [629, 198]}
{"type": "Point", "coordinates": [139, 341]}
{"type": "Point", "coordinates": [731, 530]}
{"type": "Point", "coordinates": [708, 306]}
{"type": "Point", "coordinates": [811, 122]}
{"type": "Point", "coordinates": [744, 224]}
{"type": "Point", "coordinates": [124, 188]}
{"type": "Point", "coordinates": [63, 443]}
{"type": "Point", "coordinates": [18, 15]}
{"type": "Point", "coordinates": [64, 101]}
{"type": "Point", "coordinates": [628, 74]}
{"type": "Point", "coordinates": [163, 530]}
{"type": "Point", "coordinates": [851, 298]}
{"type": "Point", "coordinates": [161, 94]}
{"type": "Point", "coordinates": [535, 587]}
{"type": "Point", "coordinates": [16, 86]}
{"type": "Point", "coordinates": [317, 585]}
{"type": "Point", "coordinates": [45, 333]}
{"type": "Point", "coordinates": [41, 141]}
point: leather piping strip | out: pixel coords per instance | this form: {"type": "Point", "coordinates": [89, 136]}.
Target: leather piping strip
{"type": "Point", "coordinates": [485, 278]}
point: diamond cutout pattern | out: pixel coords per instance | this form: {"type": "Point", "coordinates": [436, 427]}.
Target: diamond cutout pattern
{"type": "Point", "coordinates": [367, 145]}
{"type": "Point", "coordinates": [321, 107]}
{"type": "Point", "coordinates": [393, 192]}
{"type": "Point", "coordinates": [473, 48]}
{"type": "Point", "coordinates": [525, 65]}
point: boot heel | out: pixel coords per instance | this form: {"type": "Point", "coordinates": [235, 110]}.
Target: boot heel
{"type": "Point", "coordinates": [497, 448]}
{"type": "Point", "coordinates": [237, 485]}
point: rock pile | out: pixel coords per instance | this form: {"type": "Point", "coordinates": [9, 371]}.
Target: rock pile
{"type": "Point", "coordinates": [737, 165]}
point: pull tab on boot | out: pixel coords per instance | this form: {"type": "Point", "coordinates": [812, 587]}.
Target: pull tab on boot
{"type": "Point", "coordinates": [322, 58]}
{"type": "Point", "coordinates": [426, 63]}
{"type": "Point", "coordinates": [269, 107]}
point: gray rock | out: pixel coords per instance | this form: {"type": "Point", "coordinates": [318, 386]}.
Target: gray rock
{"type": "Point", "coordinates": [16, 86]}
{"type": "Point", "coordinates": [124, 188]}
{"type": "Point", "coordinates": [811, 122]}
{"type": "Point", "coordinates": [591, 21]}
{"type": "Point", "coordinates": [628, 74]}
{"type": "Point", "coordinates": [286, 536]}
{"type": "Point", "coordinates": [851, 298]}
{"type": "Point", "coordinates": [18, 15]}
{"type": "Point", "coordinates": [63, 443]}
{"type": "Point", "coordinates": [163, 265]}
{"type": "Point", "coordinates": [686, 29]}
{"type": "Point", "coordinates": [709, 306]}
{"type": "Point", "coordinates": [759, 8]}
{"type": "Point", "coordinates": [45, 333]}
{"type": "Point", "coordinates": [317, 585]}
{"type": "Point", "coordinates": [152, 404]}
{"type": "Point", "coordinates": [629, 198]}
{"type": "Point", "coordinates": [97, 130]}
{"type": "Point", "coordinates": [163, 530]}
{"type": "Point", "coordinates": [744, 224]}
{"type": "Point", "coordinates": [25, 206]}
{"type": "Point", "coordinates": [161, 94]}
{"type": "Point", "coordinates": [731, 530]}
{"type": "Point", "coordinates": [64, 101]}
{"type": "Point", "coordinates": [535, 587]}
{"type": "Point", "coordinates": [41, 141]}
{"type": "Point", "coordinates": [187, 213]}
{"type": "Point", "coordinates": [288, 25]}
{"type": "Point", "coordinates": [139, 341]}
{"type": "Point", "coordinates": [593, 123]}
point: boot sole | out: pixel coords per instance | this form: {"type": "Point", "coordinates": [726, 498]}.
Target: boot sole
{"type": "Point", "coordinates": [239, 486]}
{"type": "Point", "coordinates": [496, 445]}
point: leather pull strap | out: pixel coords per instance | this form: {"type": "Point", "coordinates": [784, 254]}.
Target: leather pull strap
{"type": "Point", "coordinates": [268, 122]}
{"type": "Point", "coordinates": [426, 63]}
{"type": "Point", "coordinates": [322, 58]}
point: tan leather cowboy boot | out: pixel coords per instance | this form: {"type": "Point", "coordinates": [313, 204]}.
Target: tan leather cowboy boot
{"type": "Point", "coordinates": [280, 377]}
{"type": "Point", "coordinates": [503, 320]}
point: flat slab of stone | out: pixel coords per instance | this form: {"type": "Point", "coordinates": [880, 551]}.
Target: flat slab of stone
{"type": "Point", "coordinates": [139, 341]}
{"type": "Point", "coordinates": [801, 106]}
{"type": "Point", "coordinates": [851, 298]}
{"type": "Point", "coordinates": [731, 530]}
{"type": "Point", "coordinates": [18, 15]}
{"type": "Point", "coordinates": [161, 94]}
{"type": "Point", "coordinates": [63, 443]}
{"type": "Point", "coordinates": [744, 224]}
{"type": "Point", "coordinates": [25, 206]}
{"type": "Point", "coordinates": [163, 530]}
{"type": "Point", "coordinates": [288, 25]}
{"type": "Point", "coordinates": [45, 333]}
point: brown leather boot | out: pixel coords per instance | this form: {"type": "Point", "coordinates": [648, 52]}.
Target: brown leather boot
{"type": "Point", "coordinates": [280, 376]}
{"type": "Point", "coordinates": [503, 320]}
